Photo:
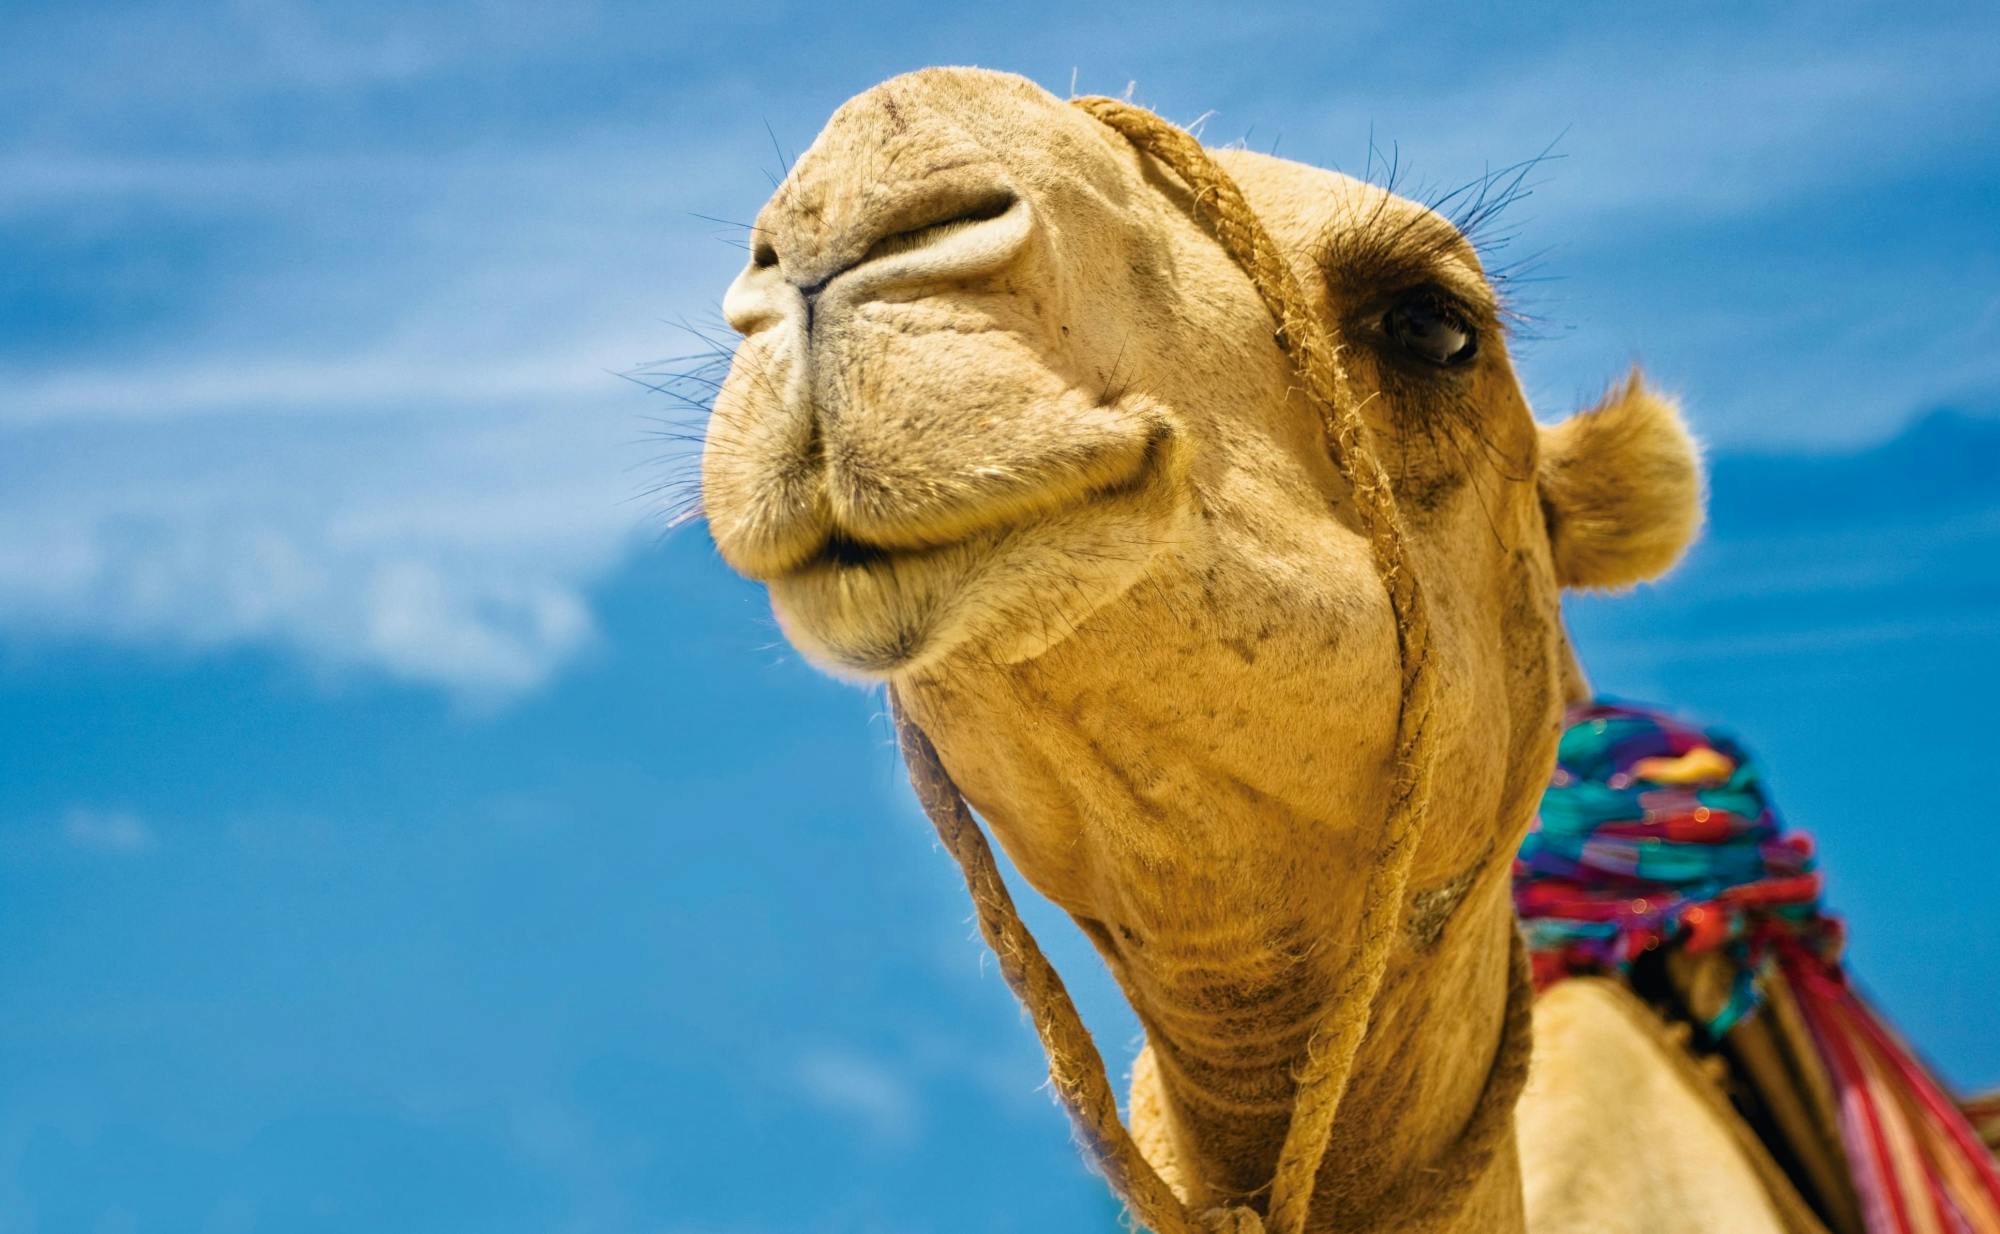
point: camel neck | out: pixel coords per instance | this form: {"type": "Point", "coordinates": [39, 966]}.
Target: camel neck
{"type": "Point", "coordinates": [1227, 890]}
{"type": "Point", "coordinates": [1218, 1072]}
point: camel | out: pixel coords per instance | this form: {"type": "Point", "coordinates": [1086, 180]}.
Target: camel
{"type": "Point", "coordinates": [1009, 431]}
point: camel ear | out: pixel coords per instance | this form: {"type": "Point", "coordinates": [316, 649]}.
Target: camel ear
{"type": "Point", "coordinates": [1621, 487]}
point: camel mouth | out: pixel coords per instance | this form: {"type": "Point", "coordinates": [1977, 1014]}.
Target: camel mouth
{"type": "Point", "coordinates": [841, 549]}
{"type": "Point", "coordinates": [877, 611]}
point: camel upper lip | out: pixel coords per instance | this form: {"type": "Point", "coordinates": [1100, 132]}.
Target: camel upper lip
{"type": "Point", "coordinates": [842, 549]}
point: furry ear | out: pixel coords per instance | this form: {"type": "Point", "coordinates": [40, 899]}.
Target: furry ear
{"type": "Point", "coordinates": [1621, 487]}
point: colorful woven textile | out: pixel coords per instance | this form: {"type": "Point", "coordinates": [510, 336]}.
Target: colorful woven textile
{"type": "Point", "coordinates": [1653, 831]}
{"type": "Point", "coordinates": [1658, 836]}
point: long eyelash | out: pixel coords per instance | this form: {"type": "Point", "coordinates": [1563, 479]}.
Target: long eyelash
{"type": "Point", "coordinates": [1474, 210]}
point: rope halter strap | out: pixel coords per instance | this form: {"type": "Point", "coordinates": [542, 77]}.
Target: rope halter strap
{"type": "Point", "coordinates": [1075, 1066]}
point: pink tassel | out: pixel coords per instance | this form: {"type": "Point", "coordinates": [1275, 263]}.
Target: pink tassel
{"type": "Point", "coordinates": [1918, 1165]}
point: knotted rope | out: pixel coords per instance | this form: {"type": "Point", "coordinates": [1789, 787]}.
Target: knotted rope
{"type": "Point", "coordinates": [1075, 1067]}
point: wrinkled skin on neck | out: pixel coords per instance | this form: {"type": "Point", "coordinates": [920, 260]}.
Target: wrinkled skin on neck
{"type": "Point", "coordinates": [1009, 430]}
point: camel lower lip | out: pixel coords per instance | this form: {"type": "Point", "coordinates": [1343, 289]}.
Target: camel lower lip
{"type": "Point", "coordinates": [841, 551]}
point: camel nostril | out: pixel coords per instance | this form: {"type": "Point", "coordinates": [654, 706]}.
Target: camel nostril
{"type": "Point", "coordinates": [764, 257]}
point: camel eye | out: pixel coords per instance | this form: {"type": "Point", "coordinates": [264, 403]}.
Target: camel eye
{"type": "Point", "coordinates": [1429, 329]}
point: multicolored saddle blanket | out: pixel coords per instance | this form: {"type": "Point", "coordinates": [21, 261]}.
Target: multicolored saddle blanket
{"type": "Point", "coordinates": [1659, 858]}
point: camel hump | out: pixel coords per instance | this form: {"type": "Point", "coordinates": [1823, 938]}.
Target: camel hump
{"type": "Point", "coordinates": [1612, 1079]}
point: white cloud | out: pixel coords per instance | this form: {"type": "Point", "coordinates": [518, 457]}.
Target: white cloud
{"type": "Point", "coordinates": [884, 1103]}
{"type": "Point", "coordinates": [361, 384]}
{"type": "Point", "coordinates": [116, 833]}
{"type": "Point", "coordinates": [445, 550]}
{"type": "Point", "coordinates": [255, 47]}
{"type": "Point", "coordinates": [415, 466]}
{"type": "Point", "coordinates": [1662, 115]}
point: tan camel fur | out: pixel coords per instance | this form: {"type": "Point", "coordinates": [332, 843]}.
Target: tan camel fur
{"type": "Point", "coordinates": [1009, 430]}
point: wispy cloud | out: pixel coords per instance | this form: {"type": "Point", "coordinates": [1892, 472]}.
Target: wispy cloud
{"type": "Point", "coordinates": [446, 552]}
{"type": "Point", "coordinates": [113, 833]}
{"type": "Point", "coordinates": [359, 385]}
{"type": "Point", "coordinates": [1687, 123]}
{"type": "Point", "coordinates": [884, 1103]}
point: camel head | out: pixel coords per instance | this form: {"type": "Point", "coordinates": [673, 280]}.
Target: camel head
{"type": "Point", "coordinates": [1009, 429]}
{"type": "Point", "coordinates": [994, 374]}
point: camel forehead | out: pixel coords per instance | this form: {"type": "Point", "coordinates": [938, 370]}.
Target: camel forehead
{"type": "Point", "coordinates": [926, 96]}
{"type": "Point", "coordinates": [937, 107]}
{"type": "Point", "coordinates": [936, 123]}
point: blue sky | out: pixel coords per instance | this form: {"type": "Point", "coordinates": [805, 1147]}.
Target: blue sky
{"type": "Point", "coordinates": [398, 832]}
